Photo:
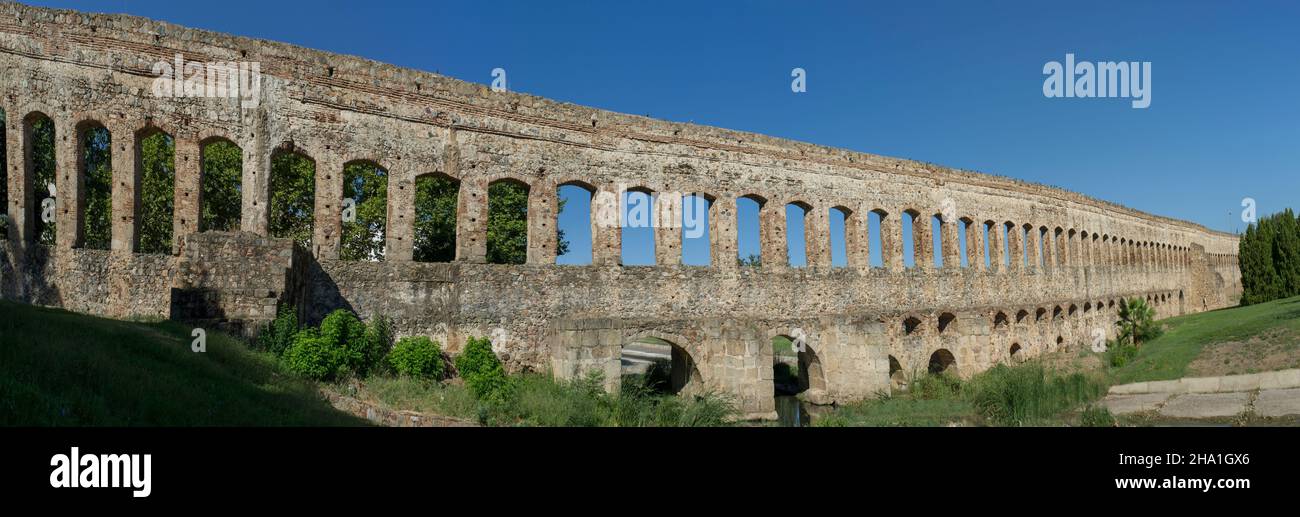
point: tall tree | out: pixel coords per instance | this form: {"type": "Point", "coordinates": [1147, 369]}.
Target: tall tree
{"type": "Point", "coordinates": [435, 218]}
{"type": "Point", "coordinates": [157, 193]}
{"type": "Point", "coordinates": [507, 226]}
{"type": "Point", "coordinates": [97, 224]}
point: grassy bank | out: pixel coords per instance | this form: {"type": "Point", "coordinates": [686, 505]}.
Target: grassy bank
{"type": "Point", "coordinates": [1237, 340]}
{"type": "Point", "coordinates": [1029, 394]}
{"type": "Point", "coordinates": [59, 368]}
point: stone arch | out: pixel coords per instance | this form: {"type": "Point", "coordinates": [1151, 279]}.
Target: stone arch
{"type": "Point", "coordinates": [637, 207]}
{"type": "Point", "coordinates": [1056, 313]}
{"type": "Point", "coordinates": [590, 228]}
{"type": "Point", "coordinates": [941, 360]}
{"type": "Point", "coordinates": [803, 238]}
{"type": "Point", "coordinates": [913, 239]}
{"type": "Point", "coordinates": [1014, 353]}
{"type": "Point", "coordinates": [507, 220]}
{"type": "Point", "coordinates": [40, 161]}
{"type": "Point", "coordinates": [155, 189]}
{"type": "Point", "coordinates": [897, 376]}
{"type": "Point", "coordinates": [761, 232]}
{"type": "Point", "coordinates": [221, 176]}
{"type": "Point", "coordinates": [292, 206]}
{"type": "Point", "coordinates": [670, 367]}
{"type": "Point", "coordinates": [946, 321]}
{"type": "Point", "coordinates": [1021, 315]}
{"type": "Point", "coordinates": [843, 255]}
{"type": "Point", "coordinates": [365, 187]}
{"type": "Point", "coordinates": [696, 219]}
{"type": "Point", "coordinates": [1000, 320]}
{"type": "Point", "coordinates": [435, 217]}
{"type": "Point", "coordinates": [880, 248]}
{"type": "Point", "coordinates": [1039, 314]}
{"type": "Point", "coordinates": [92, 202]}
{"type": "Point", "coordinates": [1072, 310]}
{"type": "Point", "coordinates": [910, 325]}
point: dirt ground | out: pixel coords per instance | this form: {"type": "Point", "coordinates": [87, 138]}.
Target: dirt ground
{"type": "Point", "coordinates": [1277, 349]}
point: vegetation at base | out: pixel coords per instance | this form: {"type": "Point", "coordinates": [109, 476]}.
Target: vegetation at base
{"type": "Point", "coordinates": [1168, 356]}
{"type": "Point", "coordinates": [418, 357]}
{"type": "Point", "coordinates": [1137, 322]}
{"type": "Point", "coordinates": [1025, 394]}
{"type": "Point", "coordinates": [1269, 257]}
{"type": "Point", "coordinates": [59, 368]}
{"type": "Point", "coordinates": [483, 371]}
{"type": "Point", "coordinates": [342, 346]}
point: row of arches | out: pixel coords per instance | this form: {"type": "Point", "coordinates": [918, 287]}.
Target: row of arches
{"type": "Point", "coordinates": [652, 227]}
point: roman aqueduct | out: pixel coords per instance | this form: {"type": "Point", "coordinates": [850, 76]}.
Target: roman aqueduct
{"type": "Point", "coordinates": [1025, 268]}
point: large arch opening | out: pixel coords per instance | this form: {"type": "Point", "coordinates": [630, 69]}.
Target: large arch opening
{"type": "Point", "coordinates": [156, 194]}
{"type": "Point", "coordinates": [95, 166]}
{"type": "Point", "coordinates": [658, 366]}
{"type": "Point", "coordinates": [875, 247]}
{"type": "Point", "coordinates": [907, 235]}
{"type": "Point", "coordinates": [638, 232]}
{"type": "Point", "coordinates": [839, 222]}
{"type": "Point", "coordinates": [796, 239]}
{"type": "Point", "coordinates": [696, 247]}
{"type": "Point", "coordinates": [941, 361]}
{"type": "Point", "coordinates": [365, 222]}
{"type": "Point", "coordinates": [39, 161]}
{"type": "Point", "coordinates": [796, 369]}
{"type": "Point", "coordinates": [293, 196]}
{"type": "Point", "coordinates": [749, 247]}
{"type": "Point", "coordinates": [434, 227]}
{"type": "Point", "coordinates": [897, 377]}
{"type": "Point", "coordinates": [507, 224]}
{"type": "Point", "coordinates": [222, 190]}
{"type": "Point", "coordinates": [573, 234]}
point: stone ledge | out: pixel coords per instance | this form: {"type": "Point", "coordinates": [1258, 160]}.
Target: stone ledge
{"type": "Point", "coordinates": [1223, 384]}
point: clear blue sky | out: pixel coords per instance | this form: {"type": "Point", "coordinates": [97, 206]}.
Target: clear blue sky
{"type": "Point", "coordinates": [955, 83]}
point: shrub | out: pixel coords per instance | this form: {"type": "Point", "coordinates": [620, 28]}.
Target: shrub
{"type": "Point", "coordinates": [1096, 416]}
{"type": "Point", "coordinates": [1121, 354]}
{"type": "Point", "coordinates": [313, 356]}
{"type": "Point", "coordinates": [342, 330]}
{"type": "Point", "coordinates": [377, 344]}
{"type": "Point", "coordinates": [482, 371]}
{"type": "Point", "coordinates": [1137, 322]}
{"type": "Point", "coordinates": [278, 334]}
{"type": "Point", "coordinates": [417, 357]}
{"type": "Point", "coordinates": [1028, 393]}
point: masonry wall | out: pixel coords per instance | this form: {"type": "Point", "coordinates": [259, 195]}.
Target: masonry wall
{"type": "Point", "coordinates": [79, 68]}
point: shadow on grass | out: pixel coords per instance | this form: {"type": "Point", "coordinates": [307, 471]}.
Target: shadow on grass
{"type": "Point", "coordinates": [58, 368]}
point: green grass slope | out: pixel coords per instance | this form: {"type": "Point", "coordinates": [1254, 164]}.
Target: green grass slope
{"type": "Point", "coordinates": [59, 368]}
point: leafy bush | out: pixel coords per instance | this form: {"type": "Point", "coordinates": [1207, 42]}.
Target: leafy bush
{"type": "Point", "coordinates": [278, 334]}
{"type": "Point", "coordinates": [377, 344]}
{"type": "Point", "coordinates": [313, 356]}
{"type": "Point", "coordinates": [482, 371]}
{"type": "Point", "coordinates": [1121, 354]}
{"type": "Point", "coordinates": [417, 356]}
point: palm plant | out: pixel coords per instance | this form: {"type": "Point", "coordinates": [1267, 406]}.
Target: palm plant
{"type": "Point", "coordinates": [1136, 322]}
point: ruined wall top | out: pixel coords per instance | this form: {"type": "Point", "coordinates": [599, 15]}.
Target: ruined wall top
{"type": "Point", "coordinates": [132, 44]}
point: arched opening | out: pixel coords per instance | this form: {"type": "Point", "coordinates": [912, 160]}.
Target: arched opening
{"type": "Point", "coordinates": [1073, 309]}
{"type": "Point", "coordinates": [1040, 314]}
{"type": "Point", "coordinates": [1056, 313]}
{"type": "Point", "coordinates": [1007, 233]}
{"type": "Point", "coordinates": [293, 196]}
{"type": "Point", "coordinates": [573, 223]}
{"type": "Point", "coordinates": [941, 360]}
{"type": "Point", "coordinates": [875, 248]}
{"type": "Point", "coordinates": [987, 229]}
{"type": "Point", "coordinates": [910, 324]}
{"type": "Point", "coordinates": [945, 321]}
{"type": "Point", "coordinates": [1015, 354]}
{"type": "Point", "coordinates": [908, 238]}
{"type": "Point", "coordinates": [1025, 232]}
{"type": "Point", "coordinates": [658, 365]}
{"type": "Point", "coordinates": [434, 227]}
{"type": "Point", "coordinates": [365, 188]}
{"type": "Point", "coordinates": [1060, 340]}
{"type": "Point", "coordinates": [897, 377]}
{"type": "Point", "coordinates": [1044, 246]}
{"type": "Point", "coordinates": [95, 165]}
{"type": "Point", "coordinates": [222, 173]}
{"type": "Point", "coordinates": [964, 250]}
{"type": "Point", "coordinates": [38, 158]}
{"type": "Point", "coordinates": [936, 237]}
{"type": "Point", "coordinates": [1021, 315]}
{"type": "Point", "coordinates": [839, 225]}
{"type": "Point", "coordinates": [696, 248]}
{"type": "Point", "coordinates": [1000, 320]}
{"type": "Point", "coordinates": [507, 224]}
{"type": "Point", "coordinates": [638, 231]}
{"type": "Point", "coordinates": [749, 242]}
{"type": "Point", "coordinates": [796, 238]}
{"type": "Point", "coordinates": [156, 194]}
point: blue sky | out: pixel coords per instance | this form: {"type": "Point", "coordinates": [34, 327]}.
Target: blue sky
{"type": "Point", "coordinates": [954, 83]}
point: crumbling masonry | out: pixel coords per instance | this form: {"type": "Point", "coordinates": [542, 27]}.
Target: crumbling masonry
{"type": "Point", "coordinates": [863, 324]}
